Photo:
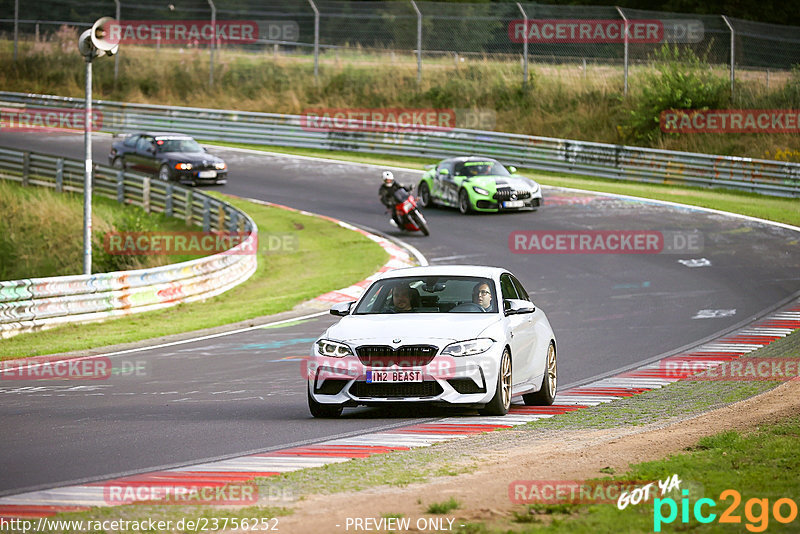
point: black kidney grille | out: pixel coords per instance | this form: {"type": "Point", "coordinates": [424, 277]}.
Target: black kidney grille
{"type": "Point", "coordinates": [393, 389]}
{"type": "Point", "coordinates": [405, 356]}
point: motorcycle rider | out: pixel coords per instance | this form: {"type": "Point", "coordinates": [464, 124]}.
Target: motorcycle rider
{"type": "Point", "coordinates": [387, 191]}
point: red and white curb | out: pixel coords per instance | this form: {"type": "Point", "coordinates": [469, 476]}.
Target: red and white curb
{"type": "Point", "coordinates": [244, 469]}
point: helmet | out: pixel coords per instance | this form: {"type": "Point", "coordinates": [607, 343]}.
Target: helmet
{"type": "Point", "coordinates": [388, 177]}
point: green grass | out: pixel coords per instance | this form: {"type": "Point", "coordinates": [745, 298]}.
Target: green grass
{"type": "Point", "coordinates": [328, 257]}
{"type": "Point", "coordinates": [41, 233]}
{"type": "Point", "coordinates": [443, 507]}
{"type": "Point", "coordinates": [759, 465]}
{"type": "Point", "coordinates": [560, 101]}
{"type": "Point", "coordinates": [778, 209]}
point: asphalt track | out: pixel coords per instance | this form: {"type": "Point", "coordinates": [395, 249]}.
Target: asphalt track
{"type": "Point", "coordinates": [245, 392]}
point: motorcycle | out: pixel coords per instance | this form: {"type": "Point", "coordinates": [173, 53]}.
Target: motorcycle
{"type": "Point", "coordinates": [407, 213]}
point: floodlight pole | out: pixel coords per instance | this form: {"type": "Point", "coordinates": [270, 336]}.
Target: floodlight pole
{"type": "Point", "coordinates": [316, 39]}
{"type": "Point", "coordinates": [624, 18]}
{"type": "Point", "coordinates": [16, 27]}
{"type": "Point", "coordinates": [525, 47]}
{"type": "Point", "coordinates": [87, 172]}
{"type": "Point", "coordinates": [116, 56]}
{"type": "Point", "coordinates": [733, 52]}
{"type": "Point", "coordinates": [419, 41]}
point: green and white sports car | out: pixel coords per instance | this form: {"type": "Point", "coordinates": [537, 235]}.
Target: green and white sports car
{"type": "Point", "coordinates": [477, 184]}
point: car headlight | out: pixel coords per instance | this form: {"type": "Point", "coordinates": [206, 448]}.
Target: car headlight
{"type": "Point", "coordinates": [468, 348]}
{"type": "Point", "coordinates": [183, 166]}
{"type": "Point", "coordinates": [333, 349]}
{"type": "Point", "coordinates": [480, 191]}
{"type": "Point", "coordinates": [220, 166]}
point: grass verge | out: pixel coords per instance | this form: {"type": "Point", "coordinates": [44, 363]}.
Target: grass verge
{"type": "Point", "coordinates": [41, 233]}
{"type": "Point", "coordinates": [327, 257]}
{"type": "Point", "coordinates": [778, 209]}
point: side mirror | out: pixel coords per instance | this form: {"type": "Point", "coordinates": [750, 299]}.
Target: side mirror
{"type": "Point", "coordinates": [342, 309]}
{"type": "Point", "coordinates": [517, 306]}
{"type": "Point", "coordinates": [444, 172]}
{"type": "Point", "coordinates": [512, 169]}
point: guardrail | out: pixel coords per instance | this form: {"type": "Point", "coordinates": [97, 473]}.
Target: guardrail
{"type": "Point", "coordinates": [541, 153]}
{"type": "Point", "coordinates": [39, 303]}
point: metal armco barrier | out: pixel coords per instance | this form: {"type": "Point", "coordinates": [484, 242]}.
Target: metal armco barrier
{"type": "Point", "coordinates": [39, 303]}
{"type": "Point", "coordinates": [541, 153]}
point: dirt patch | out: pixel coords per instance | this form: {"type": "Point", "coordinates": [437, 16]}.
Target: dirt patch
{"type": "Point", "coordinates": [568, 455]}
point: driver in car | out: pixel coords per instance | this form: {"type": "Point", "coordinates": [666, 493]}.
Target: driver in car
{"type": "Point", "coordinates": [482, 296]}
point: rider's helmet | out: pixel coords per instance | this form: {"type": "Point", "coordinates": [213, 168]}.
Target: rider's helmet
{"type": "Point", "coordinates": [388, 177]}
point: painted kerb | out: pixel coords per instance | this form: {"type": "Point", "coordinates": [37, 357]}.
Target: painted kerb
{"type": "Point", "coordinates": [39, 303]}
{"type": "Point", "coordinates": [542, 153]}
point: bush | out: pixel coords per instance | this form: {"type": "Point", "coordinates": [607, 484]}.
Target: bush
{"type": "Point", "coordinates": [682, 81]}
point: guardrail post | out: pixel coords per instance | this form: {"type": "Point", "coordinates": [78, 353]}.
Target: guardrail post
{"type": "Point", "coordinates": [26, 168]}
{"type": "Point", "coordinates": [189, 209]}
{"type": "Point", "coordinates": [59, 175]}
{"type": "Point", "coordinates": [221, 218]}
{"type": "Point", "coordinates": [146, 195]}
{"type": "Point", "coordinates": [206, 215]}
{"type": "Point", "coordinates": [121, 186]}
{"type": "Point", "coordinates": [168, 201]}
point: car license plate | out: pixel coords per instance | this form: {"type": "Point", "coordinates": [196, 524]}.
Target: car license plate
{"type": "Point", "coordinates": [394, 376]}
{"type": "Point", "coordinates": [513, 204]}
{"type": "Point", "coordinates": [207, 174]}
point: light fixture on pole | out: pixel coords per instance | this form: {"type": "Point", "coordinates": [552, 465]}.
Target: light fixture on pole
{"type": "Point", "coordinates": [92, 43]}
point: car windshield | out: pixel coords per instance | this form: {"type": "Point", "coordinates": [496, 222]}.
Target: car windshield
{"type": "Point", "coordinates": [429, 294]}
{"type": "Point", "coordinates": [480, 168]}
{"type": "Point", "coordinates": [179, 145]}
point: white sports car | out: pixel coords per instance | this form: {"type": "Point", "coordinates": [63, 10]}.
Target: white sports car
{"type": "Point", "coordinates": [466, 336]}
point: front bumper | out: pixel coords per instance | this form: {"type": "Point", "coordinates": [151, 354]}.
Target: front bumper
{"type": "Point", "coordinates": [488, 204]}
{"type": "Point", "coordinates": [192, 176]}
{"type": "Point", "coordinates": [464, 381]}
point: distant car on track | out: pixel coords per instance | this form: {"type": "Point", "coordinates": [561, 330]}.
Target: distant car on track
{"type": "Point", "coordinates": [168, 156]}
{"type": "Point", "coordinates": [477, 184]}
{"type": "Point", "coordinates": [459, 336]}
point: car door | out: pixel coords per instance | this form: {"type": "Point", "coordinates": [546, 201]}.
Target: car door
{"type": "Point", "coordinates": [441, 181]}
{"type": "Point", "coordinates": [145, 154]}
{"type": "Point", "coordinates": [535, 336]}
{"type": "Point", "coordinates": [517, 333]}
{"type": "Point", "coordinates": [127, 149]}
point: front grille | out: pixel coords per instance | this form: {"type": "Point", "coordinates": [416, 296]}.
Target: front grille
{"type": "Point", "coordinates": [407, 389]}
{"type": "Point", "coordinates": [507, 193]}
{"type": "Point", "coordinates": [465, 386]}
{"type": "Point", "coordinates": [331, 387]}
{"type": "Point", "coordinates": [405, 356]}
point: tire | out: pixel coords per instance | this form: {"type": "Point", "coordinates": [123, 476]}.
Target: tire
{"type": "Point", "coordinates": [324, 411]}
{"type": "Point", "coordinates": [424, 194]}
{"type": "Point", "coordinates": [419, 221]}
{"type": "Point", "coordinates": [163, 173]}
{"type": "Point", "coordinates": [547, 393]}
{"type": "Point", "coordinates": [502, 395]}
{"type": "Point", "coordinates": [463, 202]}
{"type": "Point", "coordinates": [118, 163]}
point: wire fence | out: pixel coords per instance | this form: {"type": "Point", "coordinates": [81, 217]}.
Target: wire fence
{"type": "Point", "coordinates": [612, 41]}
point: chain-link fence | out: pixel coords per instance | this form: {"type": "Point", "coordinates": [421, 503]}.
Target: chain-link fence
{"type": "Point", "coordinates": [561, 40]}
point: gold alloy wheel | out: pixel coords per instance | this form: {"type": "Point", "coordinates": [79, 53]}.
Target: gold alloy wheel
{"type": "Point", "coordinates": [552, 371]}
{"type": "Point", "coordinates": [505, 380]}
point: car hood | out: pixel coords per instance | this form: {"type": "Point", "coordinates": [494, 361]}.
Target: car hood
{"type": "Point", "coordinates": [518, 183]}
{"type": "Point", "coordinates": [192, 157]}
{"type": "Point", "coordinates": [411, 328]}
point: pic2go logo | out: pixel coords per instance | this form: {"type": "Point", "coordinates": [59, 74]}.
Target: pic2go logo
{"type": "Point", "coordinates": [756, 511]}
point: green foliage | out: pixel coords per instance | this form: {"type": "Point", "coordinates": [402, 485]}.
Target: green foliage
{"type": "Point", "coordinates": [443, 507]}
{"type": "Point", "coordinates": [682, 81]}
